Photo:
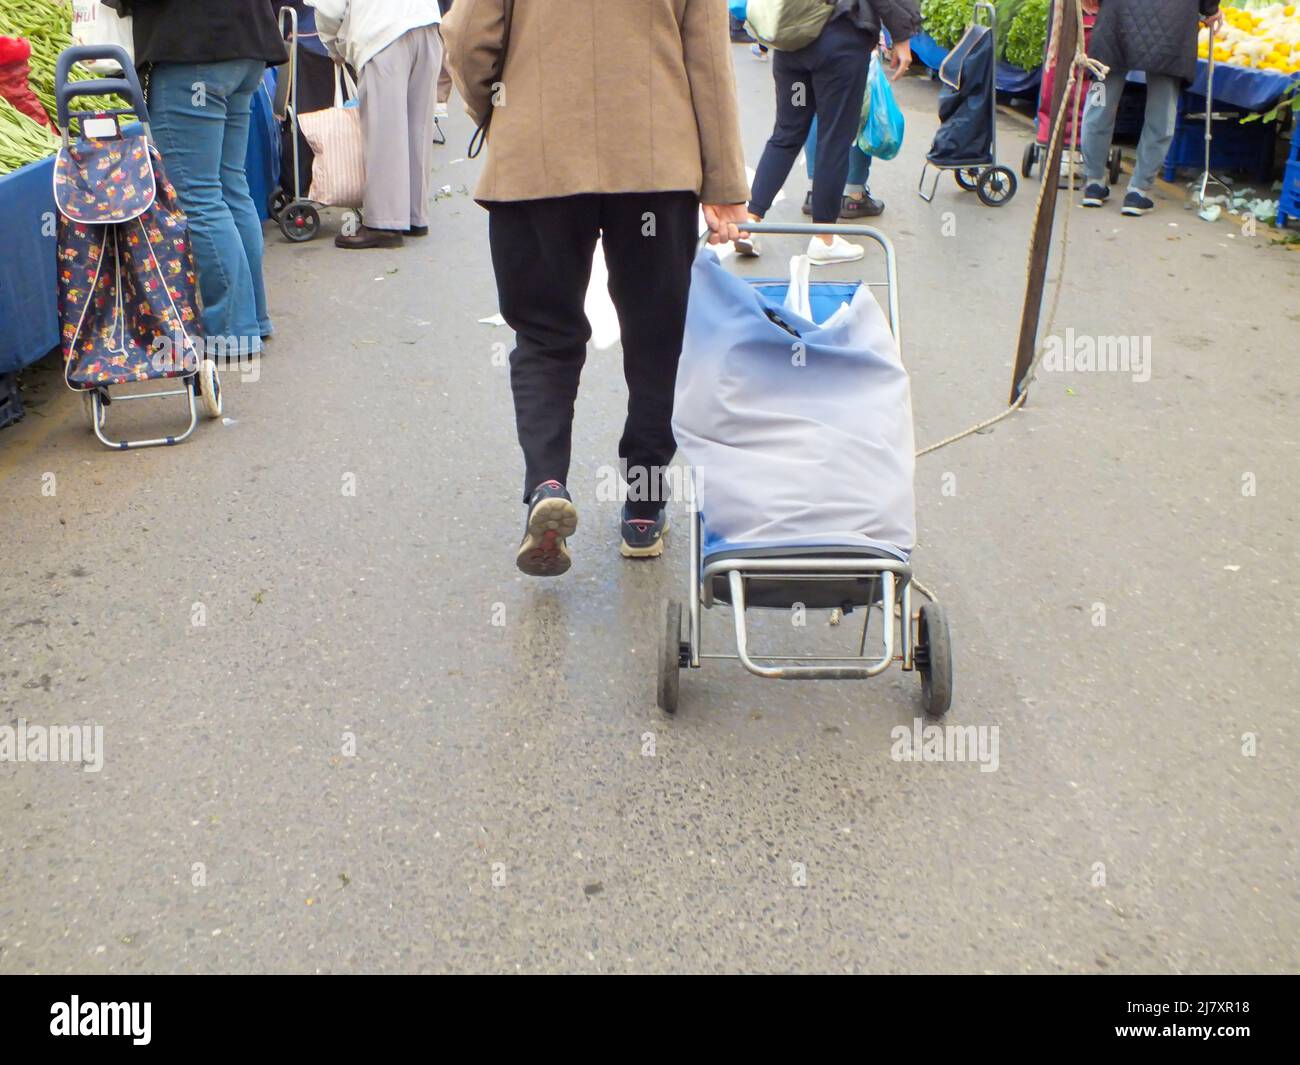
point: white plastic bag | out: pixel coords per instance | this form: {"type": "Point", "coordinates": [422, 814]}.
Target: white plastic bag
{"type": "Point", "coordinates": [93, 23]}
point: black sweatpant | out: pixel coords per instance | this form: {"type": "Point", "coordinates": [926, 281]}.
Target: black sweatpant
{"type": "Point", "coordinates": [541, 253]}
{"type": "Point", "coordinates": [827, 79]}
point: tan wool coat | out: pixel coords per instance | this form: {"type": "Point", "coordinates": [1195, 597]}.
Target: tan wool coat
{"type": "Point", "coordinates": [600, 96]}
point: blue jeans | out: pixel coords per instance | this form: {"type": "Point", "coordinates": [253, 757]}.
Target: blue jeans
{"type": "Point", "coordinates": [859, 163]}
{"type": "Point", "coordinates": [1099, 114]}
{"type": "Point", "coordinates": [199, 114]}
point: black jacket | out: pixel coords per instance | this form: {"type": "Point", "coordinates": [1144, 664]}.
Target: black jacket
{"type": "Point", "coordinates": [902, 18]}
{"type": "Point", "coordinates": [1155, 36]}
{"type": "Point", "coordinates": [204, 31]}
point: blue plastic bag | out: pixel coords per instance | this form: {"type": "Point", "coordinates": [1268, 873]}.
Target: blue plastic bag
{"type": "Point", "coordinates": [737, 8]}
{"type": "Point", "coordinates": [882, 118]}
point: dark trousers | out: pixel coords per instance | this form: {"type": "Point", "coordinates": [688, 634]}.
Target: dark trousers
{"type": "Point", "coordinates": [825, 79]}
{"type": "Point", "coordinates": [541, 253]}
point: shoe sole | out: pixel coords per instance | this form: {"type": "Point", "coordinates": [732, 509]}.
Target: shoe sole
{"type": "Point", "coordinates": [1135, 212]}
{"type": "Point", "coordinates": [544, 552]}
{"type": "Point", "coordinates": [1093, 203]}
{"type": "Point", "coordinates": [653, 551]}
{"type": "Point", "coordinates": [746, 248]}
{"type": "Point", "coordinates": [832, 262]}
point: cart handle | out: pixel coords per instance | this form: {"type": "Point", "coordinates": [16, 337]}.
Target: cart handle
{"type": "Point", "coordinates": [987, 8]}
{"type": "Point", "coordinates": [128, 85]}
{"type": "Point", "coordinates": [824, 229]}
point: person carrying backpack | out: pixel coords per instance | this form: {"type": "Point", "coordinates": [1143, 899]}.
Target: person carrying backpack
{"type": "Point", "coordinates": [826, 80]}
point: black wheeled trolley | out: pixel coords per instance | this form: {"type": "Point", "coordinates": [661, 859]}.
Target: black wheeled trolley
{"type": "Point", "coordinates": [967, 139]}
{"type": "Point", "coordinates": [297, 216]}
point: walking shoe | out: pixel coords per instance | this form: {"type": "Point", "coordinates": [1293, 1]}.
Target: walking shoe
{"type": "Point", "coordinates": [418, 231]}
{"type": "Point", "coordinates": [365, 237]}
{"type": "Point", "coordinates": [643, 537]}
{"type": "Point", "coordinates": [440, 109]}
{"type": "Point", "coordinates": [758, 52]}
{"type": "Point", "coordinates": [1095, 194]}
{"type": "Point", "coordinates": [807, 204]}
{"type": "Point", "coordinates": [746, 246]}
{"type": "Point", "coordinates": [838, 250]}
{"type": "Point", "coordinates": [865, 207]}
{"type": "Point", "coordinates": [552, 518]}
{"type": "Point", "coordinates": [1136, 203]}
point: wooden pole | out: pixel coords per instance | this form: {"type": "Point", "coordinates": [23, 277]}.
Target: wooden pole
{"type": "Point", "coordinates": [1067, 34]}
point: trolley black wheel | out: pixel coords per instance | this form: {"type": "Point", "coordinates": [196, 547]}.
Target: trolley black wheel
{"type": "Point", "coordinates": [968, 177]}
{"type": "Point", "coordinates": [670, 661]}
{"type": "Point", "coordinates": [300, 222]}
{"type": "Point", "coordinates": [1029, 160]}
{"type": "Point", "coordinates": [278, 202]}
{"type": "Point", "coordinates": [1116, 160]}
{"type": "Point", "coordinates": [934, 659]}
{"type": "Point", "coordinates": [997, 185]}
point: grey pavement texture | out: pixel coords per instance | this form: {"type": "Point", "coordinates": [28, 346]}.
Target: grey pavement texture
{"type": "Point", "coordinates": [499, 813]}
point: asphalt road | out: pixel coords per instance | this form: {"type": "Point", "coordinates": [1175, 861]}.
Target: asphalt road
{"type": "Point", "coordinates": [387, 750]}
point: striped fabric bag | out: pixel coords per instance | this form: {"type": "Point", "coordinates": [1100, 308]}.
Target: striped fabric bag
{"type": "Point", "coordinates": [338, 170]}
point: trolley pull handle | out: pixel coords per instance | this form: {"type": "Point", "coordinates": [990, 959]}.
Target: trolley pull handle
{"type": "Point", "coordinates": [127, 86]}
{"type": "Point", "coordinates": [815, 228]}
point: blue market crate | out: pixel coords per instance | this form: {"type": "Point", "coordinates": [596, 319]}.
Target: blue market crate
{"type": "Point", "coordinates": [11, 400]}
{"type": "Point", "coordinates": [1289, 203]}
{"type": "Point", "coordinates": [1236, 148]}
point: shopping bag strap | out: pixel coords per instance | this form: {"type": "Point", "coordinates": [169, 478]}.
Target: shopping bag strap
{"type": "Point", "coordinates": [479, 138]}
{"type": "Point", "coordinates": [342, 75]}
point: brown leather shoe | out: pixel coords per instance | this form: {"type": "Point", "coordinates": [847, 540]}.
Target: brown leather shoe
{"type": "Point", "coordinates": [365, 237]}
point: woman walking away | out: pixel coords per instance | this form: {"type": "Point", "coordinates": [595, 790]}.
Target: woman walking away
{"type": "Point", "coordinates": [395, 48]}
{"type": "Point", "coordinates": [1159, 38]}
{"type": "Point", "coordinates": [826, 80]}
{"type": "Point", "coordinates": [202, 63]}
{"type": "Point", "coordinates": [611, 120]}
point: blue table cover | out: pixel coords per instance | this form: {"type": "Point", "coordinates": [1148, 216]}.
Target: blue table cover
{"type": "Point", "coordinates": [29, 315]}
{"type": "Point", "coordinates": [1010, 79]}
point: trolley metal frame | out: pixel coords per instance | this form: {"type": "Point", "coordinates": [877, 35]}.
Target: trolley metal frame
{"type": "Point", "coordinates": [891, 579]}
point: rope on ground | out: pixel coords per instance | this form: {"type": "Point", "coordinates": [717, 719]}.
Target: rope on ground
{"type": "Point", "coordinates": [1081, 61]}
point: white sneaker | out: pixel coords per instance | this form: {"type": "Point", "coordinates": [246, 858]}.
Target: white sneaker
{"type": "Point", "coordinates": [440, 110]}
{"type": "Point", "coordinates": [746, 246]}
{"type": "Point", "coordinates": [838, 250]}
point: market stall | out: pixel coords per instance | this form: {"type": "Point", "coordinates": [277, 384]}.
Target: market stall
{"type": "Point", "coordinates": [1257, 63]}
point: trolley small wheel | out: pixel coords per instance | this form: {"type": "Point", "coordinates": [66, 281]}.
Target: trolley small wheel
{"type": "Point", "coordinates": [997, 185]}
{"type": "Point", "coordinates": [300, 222]}
{"type": "Point", "coordinates": [1029, 160]}
{"type": "Point", "coordinates": [670, 644]}
{"type": "Point", "coordinates": [278, 202]}
{"type": "Point", "coordinates": [88, 410]}
{"type": "Point", "coordinates": [968, 177]}
{"type": "Point", "coordinates": [1116, 160]}
{"type": "Point", "coordinates": [208, 386]}
{"type": "Point", "coordinates": [934, 659]}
